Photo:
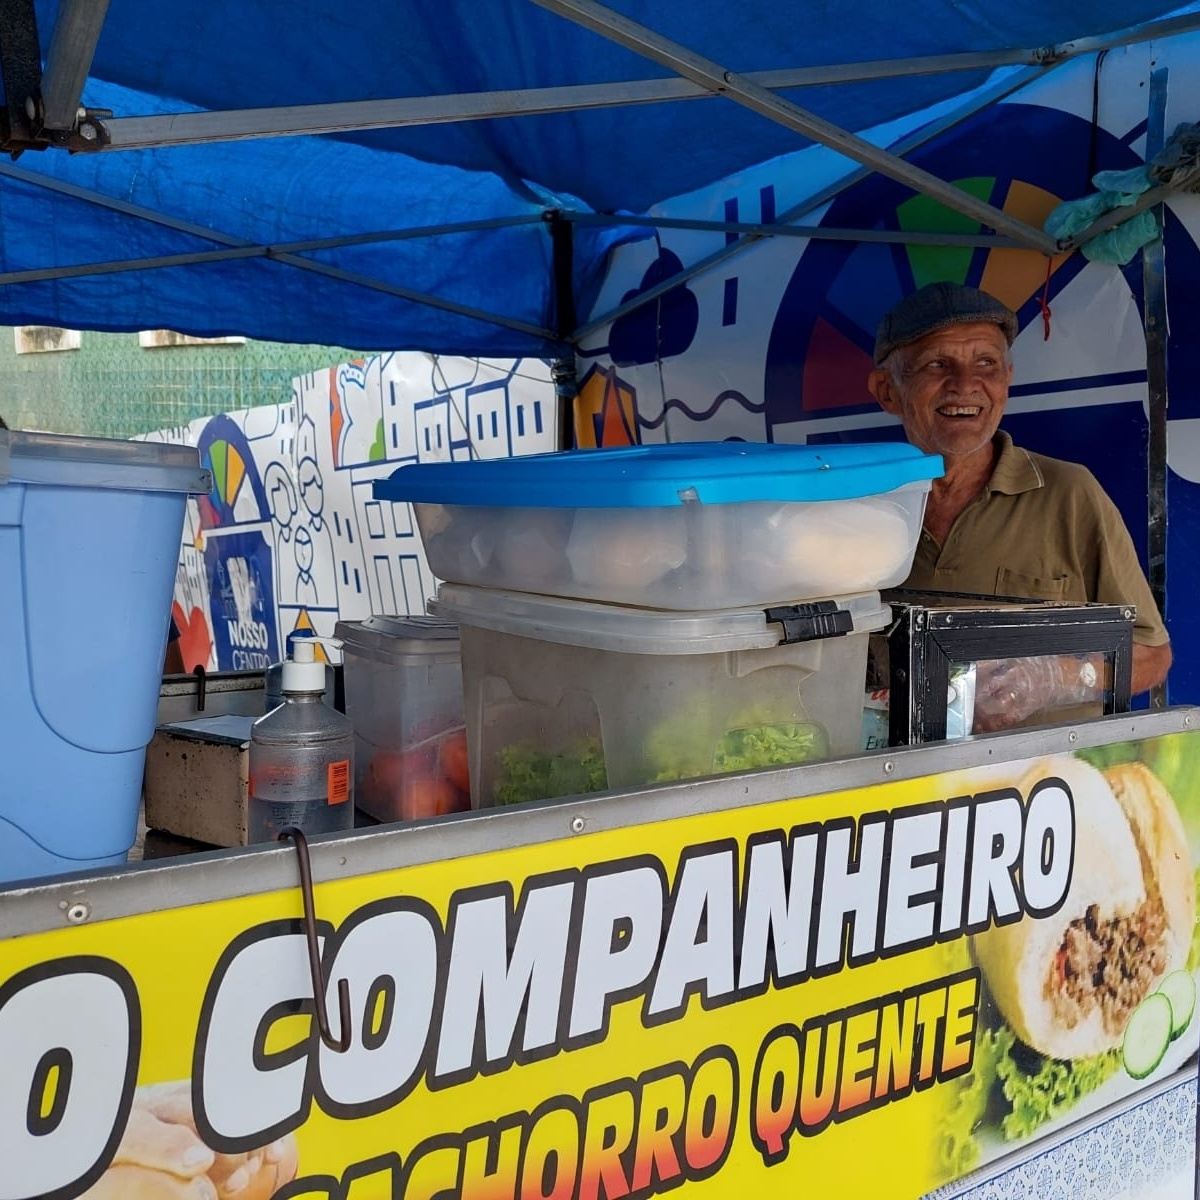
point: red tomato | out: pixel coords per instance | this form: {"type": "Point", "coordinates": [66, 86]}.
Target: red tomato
{"type": "Point", "coordinates": [459, 802]}
{"type": "Point", "coordinates": [368, 792]}
{"type": "Point", "coordinates": [421, 762]}
{"type": "Point", "coordinates": [427, 798]}
{"type": "Point", "coordinates": [390, 769]}
{"type": "Point", "coordinates": [385, 773]}
{"type": "Point", "coordinates": [452, 759]}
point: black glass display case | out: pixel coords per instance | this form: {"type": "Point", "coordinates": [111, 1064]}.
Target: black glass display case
{"type": "Point", "coordinates": [943, 649]}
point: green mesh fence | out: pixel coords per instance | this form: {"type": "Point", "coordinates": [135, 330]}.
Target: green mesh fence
{"type": "Point", "coordinates": [112, 386]}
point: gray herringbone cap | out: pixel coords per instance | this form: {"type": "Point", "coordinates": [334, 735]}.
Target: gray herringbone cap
{"type": "Point", "coordinates": [936, 306]}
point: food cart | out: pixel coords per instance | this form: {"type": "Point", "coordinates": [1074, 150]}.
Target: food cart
{"type": "Point", "coordinates": [774, 977]}
{"type": "Point", "coordinates": [723, 984]}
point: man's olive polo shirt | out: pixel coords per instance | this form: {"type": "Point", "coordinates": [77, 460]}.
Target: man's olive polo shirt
{"type": "Point", "coordinates": [1044, 529]}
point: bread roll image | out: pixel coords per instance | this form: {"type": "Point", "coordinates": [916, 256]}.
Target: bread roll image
{"type": "Point", "coordinates": [1067, 984]}
{"type": "Point", "coordinates": [626, 549]}
{"type": "Point", "coordinates": [827, 548]}
{"type": "Point", "coordinates": [1163, 846]}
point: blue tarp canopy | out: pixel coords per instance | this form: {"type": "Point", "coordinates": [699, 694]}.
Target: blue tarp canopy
{"type": "Point", "coordinates": [419, 174]}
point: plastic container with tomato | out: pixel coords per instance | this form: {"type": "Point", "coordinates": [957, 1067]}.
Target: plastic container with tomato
{"type": "Point", "coordinates": [403, 679]}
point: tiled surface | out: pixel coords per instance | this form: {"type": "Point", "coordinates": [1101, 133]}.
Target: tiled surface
{"type": "Point", "coordinates": [1146, 1153]}
{"type": "Point", "coordinates": [112, 387]}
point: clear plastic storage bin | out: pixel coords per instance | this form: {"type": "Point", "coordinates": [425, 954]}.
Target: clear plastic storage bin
{"type": "Point", "coordinates": [89, 541]}
{"type": "Point", "coordinates": [564, 697]}
{"type": "Point", "coordinates": [689, 526]}
{"type": "Point", "coordinates": [404, 696]}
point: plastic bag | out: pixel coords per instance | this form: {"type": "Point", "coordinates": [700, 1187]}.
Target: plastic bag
{"type": "Point", "coordinates": [1011, 690]}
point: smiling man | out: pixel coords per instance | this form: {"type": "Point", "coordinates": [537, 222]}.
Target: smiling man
{"type": "Point", "coordinates": [1001, 521]}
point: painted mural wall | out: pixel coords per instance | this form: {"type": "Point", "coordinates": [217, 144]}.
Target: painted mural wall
{"type": "Point", "coordinates": [290, 540]}
{"type": "Point", "coordinates": [773, 341]}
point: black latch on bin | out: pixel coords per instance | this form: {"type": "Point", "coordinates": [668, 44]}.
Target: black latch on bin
{"type": "Point", "coordinates": [807, 622]}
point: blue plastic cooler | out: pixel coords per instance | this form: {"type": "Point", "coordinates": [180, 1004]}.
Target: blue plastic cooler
{"type": "Point", "coordinates": [89, 542]}
{"type": "Point", "coordinates": [696, 526]}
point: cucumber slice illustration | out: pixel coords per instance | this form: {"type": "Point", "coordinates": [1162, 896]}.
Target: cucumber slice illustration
{"type": "Point", "coordinates": [1180, 989]}
{"type": "Point", "coordinates": [1147, 1035]}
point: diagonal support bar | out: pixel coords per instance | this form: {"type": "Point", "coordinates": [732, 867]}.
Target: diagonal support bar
{"type": "Point", "coordinates": [239, 248]}
{"type": "Point", "coordinates": [740, 90]}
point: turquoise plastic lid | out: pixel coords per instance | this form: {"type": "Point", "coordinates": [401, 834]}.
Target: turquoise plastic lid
{"type": "Point", "coordinates": [660, 476]}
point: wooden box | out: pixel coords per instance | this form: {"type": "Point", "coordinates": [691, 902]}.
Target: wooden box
{"type": "Point", "coordinates": [196, 779]}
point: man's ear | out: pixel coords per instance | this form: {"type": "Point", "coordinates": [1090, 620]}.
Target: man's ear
{"type": "Point", "coordinates": [879, 384]}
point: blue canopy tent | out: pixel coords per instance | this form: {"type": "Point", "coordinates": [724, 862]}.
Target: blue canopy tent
{"type": "Point", "coordinates": [437, 175]}
{"type": "Point", "coordinates": [452, 176]}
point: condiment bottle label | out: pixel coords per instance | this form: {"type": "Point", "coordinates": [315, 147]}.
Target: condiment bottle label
{"type": "Point", "coordinates": [338, 789]}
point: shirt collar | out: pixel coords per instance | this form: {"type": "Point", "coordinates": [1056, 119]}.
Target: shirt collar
{"type": "Point", "coordinates": [1015, 471]}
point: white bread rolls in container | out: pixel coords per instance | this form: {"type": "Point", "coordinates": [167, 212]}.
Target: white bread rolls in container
{"type": "Point", "coordinates": [687, 526]}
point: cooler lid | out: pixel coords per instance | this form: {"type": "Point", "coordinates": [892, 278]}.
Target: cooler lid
{"type": "Point", "coordinates": [63, 461]}
{"type": "Point", "coordinates": [393, 638]}
{"type": "Point", "coordinates": [659, 476]}
{"type": "Point", "coordinates": [635, 630]}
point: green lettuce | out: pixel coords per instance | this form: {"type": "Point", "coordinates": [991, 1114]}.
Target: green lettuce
{"type": "Point", "coordinates": [527, 773]}
{"type": "Point", "coordinates": [958, 1146]}
{"type": "Point", "coordinates": [1015, 1090]}
{"type": "Point", "coordinates": [1036, 1089]}
{"type": "Point", "coordinates": [742, 749]}
{"type": "Point", "coordinates": [768, 746]}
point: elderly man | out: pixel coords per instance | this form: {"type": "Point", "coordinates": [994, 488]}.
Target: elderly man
{"type": "Point", "coordinates": [1001, 521]}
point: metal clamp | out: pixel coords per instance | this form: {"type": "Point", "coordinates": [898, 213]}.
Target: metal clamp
{"type": "Point", "coordinates": [806, 622]}
{"type": "Point", "coordinates": [340, 1044]}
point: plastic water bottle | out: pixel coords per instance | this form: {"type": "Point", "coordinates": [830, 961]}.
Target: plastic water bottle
{"type": "Point", "coordinates": [301, 757]}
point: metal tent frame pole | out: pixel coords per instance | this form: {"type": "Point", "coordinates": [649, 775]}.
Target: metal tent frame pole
{"type": "Point", "coordinates": [818, 233]}
{"type": "Point", "coordinates": [741, 90]}
{"type": "Point", "coordinates": [190, 128]}
{"type": "Point", "coordinates": [79, 23]}
{"type": "Point", "coordinates": [69, 59]}
{"type": "Point", "coordinates": [1155, 319]}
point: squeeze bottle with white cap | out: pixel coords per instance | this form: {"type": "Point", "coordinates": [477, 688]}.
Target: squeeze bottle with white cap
{"type": "Point", "coordinates": [301, 756]}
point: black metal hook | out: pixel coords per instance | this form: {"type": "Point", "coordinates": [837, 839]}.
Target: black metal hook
{"type": "Point", "coordinates": [342, 1043]}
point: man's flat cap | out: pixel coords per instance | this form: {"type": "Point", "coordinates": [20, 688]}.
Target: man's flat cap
{"type": "Point", "coordinates": [936, 306]}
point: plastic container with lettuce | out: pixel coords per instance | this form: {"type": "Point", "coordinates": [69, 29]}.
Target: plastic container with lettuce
{"type": "Point", "coordinates": [527, 772]}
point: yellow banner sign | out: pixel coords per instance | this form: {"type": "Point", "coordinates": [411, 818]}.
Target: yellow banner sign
{"type": "Point", "coordinates": [863, 993]}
